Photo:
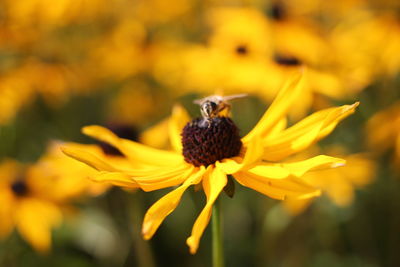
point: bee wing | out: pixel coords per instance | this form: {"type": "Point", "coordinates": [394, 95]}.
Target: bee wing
{"type": "Point", "coordinates": [232, 97]}
{"type": "Point", "coordinates": [218, 99]}
{"type": "Point", "coordinates": [198, 101]}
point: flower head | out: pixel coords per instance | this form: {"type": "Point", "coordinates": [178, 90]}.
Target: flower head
{"type": "Point", "coordinates": [33, 196]}
{"type": "Point", "coordinates": [209, 149]}
{"type": "Point", "coordinates": [26, 206]}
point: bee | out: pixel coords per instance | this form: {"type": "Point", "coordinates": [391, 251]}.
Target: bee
{"type": "Point", "coordinates": [212, 106]}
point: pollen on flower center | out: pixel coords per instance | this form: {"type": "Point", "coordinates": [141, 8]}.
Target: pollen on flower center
{"type": "Point", "coordinates": [19, 188]}
{"type": "Point", "coordinates": [206, 141]}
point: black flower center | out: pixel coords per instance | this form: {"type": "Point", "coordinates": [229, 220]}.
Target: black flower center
{"type": "Point", "coordinates": [242, 50]}
{"type": "Point", "coordinates": [19, 188]}
{"type": "Point", "coordinates": [122, 131]}
{"type": "Point", "coordinates": [287, 60]}
{"type": "Point", "coordinates": [206, 141]}
{"type": "Point", "coordinates": [278, 12]}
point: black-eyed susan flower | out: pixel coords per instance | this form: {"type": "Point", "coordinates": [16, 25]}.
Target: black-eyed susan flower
{"type": "Point", "coordinates": [62, 179]}
{"type": "Point", "coordinates": [253, 54]}
{"type": "Point", "coordinates": [34, 196]}
{"type": "Point", "coordinates": [208, 149]}
{"type": "Point", "coordinates": [26, 206]}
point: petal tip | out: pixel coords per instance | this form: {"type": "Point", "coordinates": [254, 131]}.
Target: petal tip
{"type": "Point", "coordinates": [67, 151]}
{"type": "Point", "coordinates": [192, 245]}
{"type": "Point", "coordinates": [356, 104]}
{"type": "Point", "coordinates": [146, 230]}
{"type": "Point", "coordinates": [353, 106]}
{"type": "Point", "coordinates": [88, 129]}
{"type": "Point", "coordinates": [338, 164]}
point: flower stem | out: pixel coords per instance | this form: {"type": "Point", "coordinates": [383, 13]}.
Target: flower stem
{"type": "Point", "coordinates": [217, 243]}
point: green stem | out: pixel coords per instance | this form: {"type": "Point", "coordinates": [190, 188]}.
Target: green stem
{"type": "Point", "coordinates": [143, 252]}
{"type": "Point", "coordinates": [217, 240]}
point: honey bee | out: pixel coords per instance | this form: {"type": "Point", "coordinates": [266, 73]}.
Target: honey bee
{"type": "Point", "coordinates": [212, 106]}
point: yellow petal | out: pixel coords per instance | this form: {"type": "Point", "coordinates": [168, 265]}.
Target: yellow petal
{"type": "Point", "coordinates": [279, 108]}
{"type": "Point", "coordinates": [341, 191]}
{"type": "Point", "coordinates": [164, 206]}
{"type": "Point", "coordinates": [319, 162]}
{"type": "Point", "coordinates": [253, 153]}
{"type": "Point", "coordinates": [176, 123]}
{"type": "Point", "coordinates": [115, 178]}
{"type": "Point", "coordinates": [278, 128]}
{"type": "Point", "coordinates": [87, 158]}
{"type": "Point", "coordinates": [155, 135]}
{"type": "Point", "coordinates": [270, 170]}
{"type": "Point", "coordinates": [344, 111]}
{"type": "Point", "coordinates": [213, 185]}
{"type": "Point", "coordinates": [289, 188]}
{"type": "Point", "coordinates": [134, 150]}
{"type": "Point", "coordinates": [296, 206]}
{"type": "Point", "coordinates": [169, 178]}
{"type": "Point", "coordinates": [35, 219]}
{"type": "Point", "coordinates": [328, 84]}
{"type": "Point", "coordinates": [9, 169]}
{"type": "Point", "coordinates": [6, 209]}
{"type": "Point", "coordinates": [305, 133]}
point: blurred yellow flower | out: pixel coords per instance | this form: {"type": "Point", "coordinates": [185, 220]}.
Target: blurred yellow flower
{"type": "Point", "coordinates": [25, 206]}
{"type": "Point", "coordinates": [248, 52]}
{"type": "Point", "coordinates": [46, 13]}
{"type": "Point", "coordinates": [211, 149]}
{"type": "Point", "coordinates": [34, 196]}
{"type": "Point", "coordinates": [383, 131]}
{"type": "Point", "coordinates": [15, 93]}
{"type": "Point", "coordinates": [339, 184]}
{"type": "Point", "coordinates": [119, 53]}
{"type": "Point", "coordinates": [63, 178]}
{"type": "Point", "coordinates": [240, 31]}
{"type": "Point", "coordinates": [365, 46]}
{"type": "Point", "coordinates": [135, 104]}
{"type": "Point", "coordinates": [55, 83]}
{"type": "Point", "coordinates": [159, 12]}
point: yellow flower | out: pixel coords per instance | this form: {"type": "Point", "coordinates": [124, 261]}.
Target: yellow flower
{"type": "Point", "coordinates": [62, 178]}
{"type": "Point", "coordinates": [46, 14]}
{"type": "Point", "coordinates": [248, 52]}
{"type": "Point", "coordinates": [119, 53]}
{"type": "Point", "coordinates": [383, 131]}
{"type": "Point", "coordinates": [14, 94]}
{"type": "Point", "coordinates": [134, 104]}
{"type": "Point", "coordinates": [158, 11]}
{"type": "Point", "coordinates": [24, 206]}
{"type": "Point", "coordinates": [339, 184]}
{"type": "Point", "coordinates": [20, 86]}
{"type": "Point", "coordinates": [33, 196]}
{"type": "Point", "coordinates": [210, 150]}
{"type": "Point", "coordinates": [365, 45]}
